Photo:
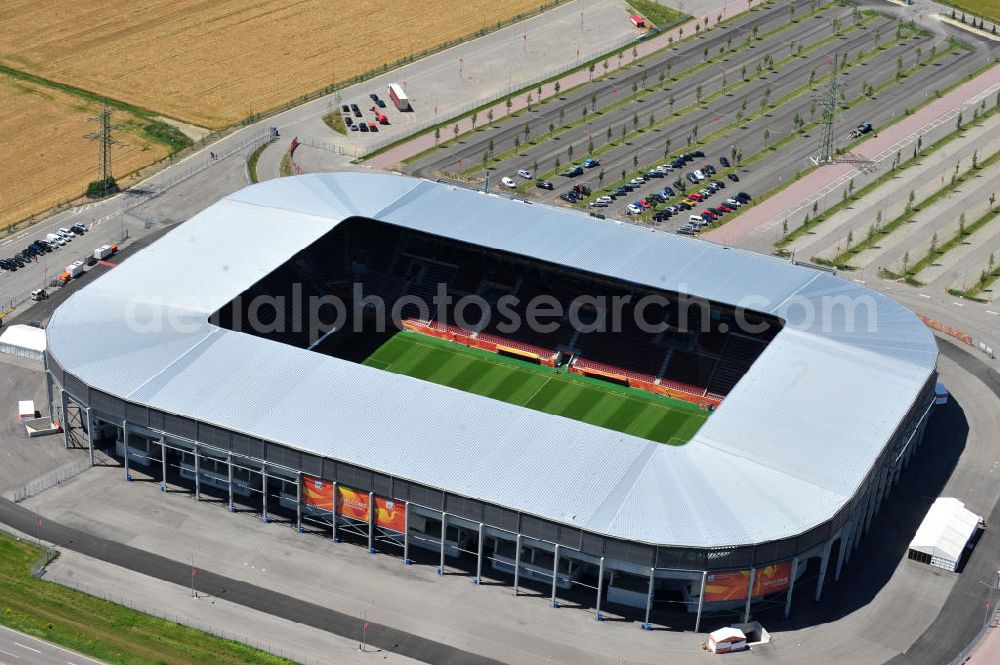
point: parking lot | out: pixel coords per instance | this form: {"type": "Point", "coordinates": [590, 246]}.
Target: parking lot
{"type": "Point", "coordinates": [757, 102]}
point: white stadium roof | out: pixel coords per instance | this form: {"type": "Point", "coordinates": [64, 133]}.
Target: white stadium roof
{"type": "Point", "coordinates": [789, 446]}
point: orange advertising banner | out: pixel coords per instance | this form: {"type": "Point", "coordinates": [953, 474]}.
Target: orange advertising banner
{"type": "Point", "coordinates": [732, 584]}
{"type": "Point", "coordinates": [317, 492]}
{"type": "Point", "coordinates": [773, 578]}
{"type": "Point", "coordinates": [390, 514]}
{"type": "Point", "coordinates": [351, 503]}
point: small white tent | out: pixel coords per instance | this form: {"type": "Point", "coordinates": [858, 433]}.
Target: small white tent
{"type": "Point", "coordinates": [727, 639]}
{"type": "Point", "coordinates": [26, 341]}
{"type": "Point", "coordinates": [944, 533]}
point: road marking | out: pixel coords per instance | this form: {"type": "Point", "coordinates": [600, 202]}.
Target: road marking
{"type": "Point", "coordinates": [7, 653]}
{"type": "Point", "coordinates": [924, 295]}
{"type": "Point", "coordinates": [990, 311]}
{"type": "Point", "coordinates": [23, 646]}
{"type": "Point", "coordinates": [957, 304]}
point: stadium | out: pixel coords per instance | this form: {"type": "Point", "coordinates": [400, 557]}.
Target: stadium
{"type": "Point", "coordinates": [321, 349]}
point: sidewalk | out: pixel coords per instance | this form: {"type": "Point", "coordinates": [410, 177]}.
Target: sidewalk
{"type": "Point", "coordinates": [391, 159]}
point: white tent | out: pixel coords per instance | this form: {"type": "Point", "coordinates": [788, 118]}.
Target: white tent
{"type": "Point", "coordinates": [944, 533]}
{"type": "Point", "coordinates": [727, 639]}
{"type": "Point", "coordinates": [26, 341]}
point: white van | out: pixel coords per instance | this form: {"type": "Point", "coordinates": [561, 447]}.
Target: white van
{"type": "Point", "coordinates": [54, 239]}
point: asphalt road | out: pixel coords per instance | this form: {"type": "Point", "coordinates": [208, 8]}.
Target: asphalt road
{"type": "Point", "coordinates": [774, 167]}
{"type": "Point", "coordinates": [17, 649]}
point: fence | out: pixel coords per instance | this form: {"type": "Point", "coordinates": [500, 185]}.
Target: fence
{"type": "Point", "coordinates": [51, 479]}
{"type": "Point", "coordinates": [152, 610]}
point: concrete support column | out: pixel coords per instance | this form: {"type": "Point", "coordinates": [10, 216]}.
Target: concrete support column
{"type": "Point", "coordinates": [197, 474]}
{"type": "Point", "coordinates": [406, 533]}
{"type": "Point", "coordinates": [517, 563]}
{"type": "Point", "coordinates": [600, 587]}
{"type": "Point", "coordinates": [333, 516]}
{"type": "Point", "coordinates": [371, 523]}
{"type": "Point", "coordinates": [746, 609]}
{"type": "Point", "coordinates": [555, 575]}
{"type": "Point", "coordinates": [128, 476]}
{"type": "Point", "coordinates": [90, 436]}
{"type": "Point", "coordinates": [163, 463]}
{"type": "Point", "coordinates": [229, 465]}
{"type": "Point", "coordinates": [649, 599]}
{"type": "Point", "coordinates": [62, 418]}
{"type": "Point", "coordinates": [263, 484]}
{"type": "Point", "coordinates": [881, 490]}
{"type": "Point", "coordinates": [444, 533]}
{"type": "Point", "coordinates": [843, 539]}
{"type": "Point", "coordinates": [824, 562]}
{"type": "Point", "coordinates": [791, 586]}
{"type": "Point", "coordinates": [701, 600]}
{"type": "Point", "coordinates": [479, 555]}
{"type": "Point", "coordinates": [298, 503]}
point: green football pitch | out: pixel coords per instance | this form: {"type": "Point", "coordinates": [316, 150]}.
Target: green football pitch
{"type": "Point", "coordinates": [637, 412]}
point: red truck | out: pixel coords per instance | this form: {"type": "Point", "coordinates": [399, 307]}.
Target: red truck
{"type": "Point", "coordinates": [381, 117]}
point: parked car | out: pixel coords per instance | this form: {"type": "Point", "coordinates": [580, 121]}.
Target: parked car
{"type": "Point", "coordinates": [743, 196]}
{"type": "Point", "coordinates": [633, 209]}
{"type": "Point", "coordinates": [362, 126]}
{"type": "Point", "coordinates": [372, 127]}
{"type": "Point", "coordinates": [380, 103]}
{"type": "Point", "coordinates": [543, 184]}
{"type": "Point", "coordinates": [590, 163]}
{"type": "Point", "coordinates": [345, 108]}
{"type": "Point", "coordinates": [698, 153]}
{"type": "Point", "coordinates": [709, 169]}
{"type": "Point", "coordinates": [78, 228]}
{"type": "Point", "coordinates": [599, 204]}
{"type": "Point", "coordinates": [573, 171]}
{"type": "Point", "coordinates": [373, 96]}
{"type": "Point", "coordinates": [348, 120]}
{"type": "Point", "coordinates": [724, 162]}
{"type": "Point", "coordinates": [353, 128]}
{"type": "Point", "coordinates": [508, 182]}
{"type": "Point", "coordinates": [356, 110]}
{"type": "Point", "coordinates": [733, 177]}
{"type": "Point", "coordinates": [524, 173]}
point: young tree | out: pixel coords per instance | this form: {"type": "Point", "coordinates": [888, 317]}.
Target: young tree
{"type": "Point", "coordinates": [906, 262]}
{"type": "Point", "coordinates": [743, 72]}
{"type": "Point", "coordinates": [590, 71]}
{"type": "Point", "coordinates": [454, 129]}
{"type": "Point", "coordinates": [517, 143]}
{"type": "Point", "coordinates": [666, 148]}
{"type": "Point", "coordinates": [934, 241]}
{"type": "Point", "coordinates": [486, 157]}
{"type": "Point", "coordinates": [961, 224]}
{"type": "Point", "coordinates": [635, 121]}
{"type": "Point", "coordinates": [490, 147]}
{"type": "Point", "coordinates": [605, 65]}
{"type": "Point", "coordinates": [784, 228]}
{"type": "Point", "coordinates": [552, 127]}
{"type": "Point", "coordinates": [556, 87]}
{"type": "Point", "coordinates": [635, 88]}
{"type": "Point", "coordinates": [569, 153]}
{"type": "Point", "coordinates": [590, 146]}
{"type": "Point", "coordinates": [489, 115]}
{"type": "Point", "coordinates": [850, 240]}
{"type": "Point", "coordinates": [600, 177]}
{"type": "Point", "coordinates": [527, 131]}
{"type": "Point", "coordinates": [593, 102]}
{"type": "Point", "coordinates": [557, 162]}
{"type": "Point", "coordinates": [509, 103]}
{"type": "Point", "coordinates": [697, 93]}
{"type": "Point", "coordinates": [767, 136]}
{"type": "Point", "coordinates": [671, 102]}
{"type": "Point", "coordinates": [635, 160]}
{"type": "Point", "coordinates": [624, 132]}
{"type": "Point", "coordinates": [651, 121]}
{"type": "Point", "coordinates": [529, 100]}
{"type": "Point", "coordinates": [609, 134]}
{"type": "Point", "coordinates": [475, 116]}
{"type": "Point", "coordinates": [437, 135]}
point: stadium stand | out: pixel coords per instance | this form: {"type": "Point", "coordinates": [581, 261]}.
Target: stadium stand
{"type": "Point", "coordinates": [696, 354]}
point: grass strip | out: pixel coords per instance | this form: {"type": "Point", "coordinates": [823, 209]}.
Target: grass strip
{"type": "Point", "coordinates": [335, 121]}
{"type": "Point", "coordinates": [101, 629]}
{"type": "Point", "coordinates": [950, 244]}
{"type": "Point", "coordinates": [876, 233]}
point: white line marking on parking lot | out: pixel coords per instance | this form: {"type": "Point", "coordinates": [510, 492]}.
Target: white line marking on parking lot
{"type": "Point", "coordinates": [990, 311]}
{"type": "Point", "coordinates": [7, 653]}
{"type": "Point", "coordinates": [924, 295]}
{"type": "Point", "coordinates": [957, 304]}
{"type": "Point", "coordinates": [27, 647]}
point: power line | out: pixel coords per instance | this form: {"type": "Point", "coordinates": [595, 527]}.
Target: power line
{"type": "Point", "coordinates": [105, 140]}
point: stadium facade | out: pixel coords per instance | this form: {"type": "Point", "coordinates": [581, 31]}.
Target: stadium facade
{"type": "Point", "coordinates": [778, 486]}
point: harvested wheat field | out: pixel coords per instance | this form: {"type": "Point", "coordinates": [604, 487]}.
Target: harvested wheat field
{"type": "Point", "coordinates": [213, 63]}
{"type": "Point", "coordinates": [46, 159]}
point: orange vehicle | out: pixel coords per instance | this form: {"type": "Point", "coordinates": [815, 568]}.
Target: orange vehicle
{"type": "Point", "coordinates": [381, 117]}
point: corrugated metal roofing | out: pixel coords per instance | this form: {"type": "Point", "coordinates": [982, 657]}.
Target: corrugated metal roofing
{"type": "Point", "coordinates": [788, 447]}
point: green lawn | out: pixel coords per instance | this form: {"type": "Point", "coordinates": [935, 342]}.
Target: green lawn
{"type": "Point", "coordinates": [101, 629]}
{"type": "Point", "coordinates": [592, 401]}
{"type": "Point", "coordinates": [660, 16]}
